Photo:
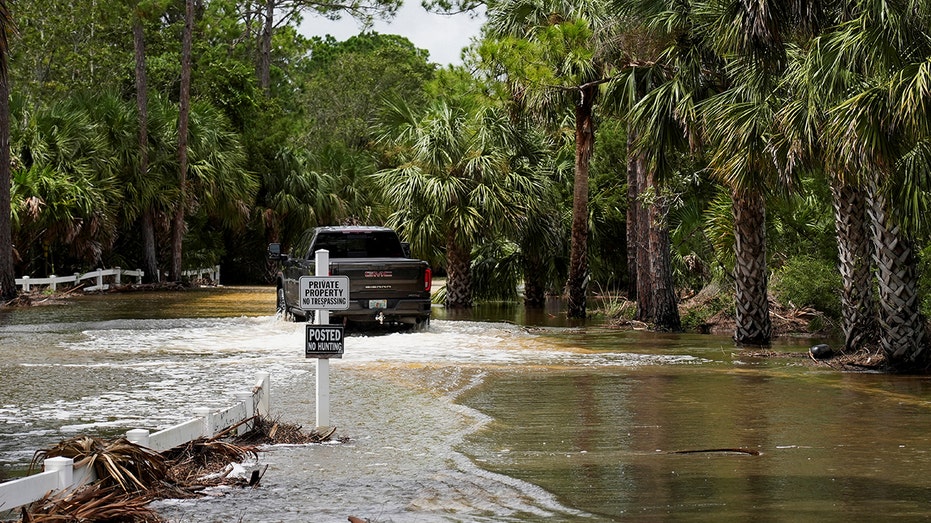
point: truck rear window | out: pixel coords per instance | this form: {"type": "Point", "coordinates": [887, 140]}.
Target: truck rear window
{"type": "Point", "coordinates": [360, 245]}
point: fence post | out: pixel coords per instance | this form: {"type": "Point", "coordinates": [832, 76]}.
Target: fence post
{"type": "Point", "coordinates": [77, 279]}
{"type": "Point", "coordinates": [139, 278]}
{"type": "Point", "coordinates": [205, 412]}
{"type": "Point", "coordinates": [54, 283]}
{"type": "Point", "coordinates": [248, 403]}
{"type": "Point", "coordinates": [216, 275]}
{"type": "Point", "coordinates": [262, 395]}
{"type": "Point", "coordinates": [117, 273]}
{"type": "Point", "coordinates": [99, 279]}
{"type": "Point", "coordinates": [65, 468]}
{"type": "Point", "coordinates": [25, 283]}
{"type": "Point", "coordinates": [138, 436]}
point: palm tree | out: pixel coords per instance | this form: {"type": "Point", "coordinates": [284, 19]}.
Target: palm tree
{"type": "Point", "coordinates": [7, 277]}
{"type": "Point", "coordinates": [63, 187]}
{"type": "Point", "coordinates": [561, 53]}
{"type": "Point", "coordinates": [453, 183]}
{"type": "Point", "coordinates": [873, 67]}
{"type": "Point", "coordinates": [813, 87]}
{"type": "Point", "coordinates": [725, 59]}
{"type": "Point", "coordinates": [219, 183]}
{"type": "Point", "coordinates": [856, 107]}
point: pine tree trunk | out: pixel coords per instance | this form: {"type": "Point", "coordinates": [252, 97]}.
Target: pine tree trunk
{"type": "Point", "coordinates": [854, 249]}
{"type": "Point", "coordinates": [750, 272]}
{"type": "Point", "coordinates": [178, 226]}
{"type": "Point", "coordinates": [578, 255]}
{"type": "Point", "coordinates": [902, 333]}
{"type": "Point", "coordinates": [646, 306]}
{"type": "Point", "coordinates": [458, 275]}
{"type": "Point", "coordinates": [7, 277]}
{"type": "Point", "coordinates": [634, 164]}
{"type": "Point", "coordinates": [665, 305]}
{"type": "Point", "coordinates": [265, 47]}
{"type": "Point", "coordinates": [142, 104]}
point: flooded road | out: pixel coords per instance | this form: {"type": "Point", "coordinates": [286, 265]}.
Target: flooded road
{"type": "Point", "coordinates": [476, 420]}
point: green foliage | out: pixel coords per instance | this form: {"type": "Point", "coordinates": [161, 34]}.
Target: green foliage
{"type": "Point", "coordinates": [713, 300]}
{"type": "Point", "coordinates": [496, 271]}
{"type": "Point", "coordinates": [802, 223]}
{"type": "Point", "coordinates": [805, 281]}
{"type": "Point", "coordinates": [349, 82]}
{"type": "Point", "coordinates": [924, 279]}
{"type": "Point", "coordinates": [613, 305]}
{"type": "Point", "coordinates": [69, 45]}
{"type": "Point", "coordinates": [608, 207]}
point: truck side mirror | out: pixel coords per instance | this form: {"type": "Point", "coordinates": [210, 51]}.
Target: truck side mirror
{"type": "Point", "coordinates": [274, 252]}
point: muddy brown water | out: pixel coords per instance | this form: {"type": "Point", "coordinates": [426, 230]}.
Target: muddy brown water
{"type": "Point", "coordinates": [497, 415]}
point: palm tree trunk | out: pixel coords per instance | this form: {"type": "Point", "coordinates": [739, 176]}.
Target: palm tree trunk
{"type": "Point", "coordinates": [854, 249]}
{"type": "Point", "coordinates": [458, 274]}
{"type": "Point", "coordinates": [177, 229]}
{"type": "Point", "coordinates": [902, 333]}
{"type": "Point", "coordinates": [750, 272]}
{"type": "Point", "coordinates": [534, 278]}
{"type": "Point", "coordinates": [142, 104]}
{"type": "Point", "coordinates": [578, 256]}
{"type": "Point", "coordinates": [665, 306]}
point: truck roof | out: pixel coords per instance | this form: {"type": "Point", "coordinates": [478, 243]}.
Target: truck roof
{"type": "Point", "coordinates": [353, 228]}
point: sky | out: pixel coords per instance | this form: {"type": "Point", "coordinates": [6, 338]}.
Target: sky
{"type": "Point", "coordinates": [443, 36]}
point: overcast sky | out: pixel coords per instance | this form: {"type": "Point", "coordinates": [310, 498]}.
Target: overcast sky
{"type": "Point", "coordinates": [443, 36]}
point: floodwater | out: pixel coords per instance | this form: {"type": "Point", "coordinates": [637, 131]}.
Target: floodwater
{"type": "Point", "coordinates": [478, 419]}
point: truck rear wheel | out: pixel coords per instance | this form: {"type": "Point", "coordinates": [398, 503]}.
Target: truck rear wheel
{"type": "Point", "coordinates": [281, 307]}
{"type": "Point", "coordinates": [421, 325]}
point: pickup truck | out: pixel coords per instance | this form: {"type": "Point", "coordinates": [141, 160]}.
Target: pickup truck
{"type": "Point", "coordinates": [386, 286]}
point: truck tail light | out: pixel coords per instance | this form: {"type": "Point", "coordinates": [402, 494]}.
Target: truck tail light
{"type": "Point", "coordinates": [427, 279]}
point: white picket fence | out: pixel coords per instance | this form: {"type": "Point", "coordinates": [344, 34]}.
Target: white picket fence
{"type": "Point", "coordinates": [61, 474]}
{"type": "Point", "coordinates": [115, 275]}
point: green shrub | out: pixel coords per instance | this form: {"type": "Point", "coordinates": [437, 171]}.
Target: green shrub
{"type": "Point", "coordinates": [924, 280]}
{"type": "Point", "coordinates": [712, 300]}
{"type": "Point", "coordinates": [804, 281]}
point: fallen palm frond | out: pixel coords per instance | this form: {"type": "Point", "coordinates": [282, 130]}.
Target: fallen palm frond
{"type": "Point", "coordinates": [266, 431]}
{"type": "Point", "coordinates": [120, 463]}
{"type": "Point", "coordinates": [190, 462]}
{"type": "Point", "coordinates": [90, 503]}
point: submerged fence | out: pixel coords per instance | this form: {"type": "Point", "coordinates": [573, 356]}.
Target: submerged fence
{"type": "Point", "coordinates": [102, 278]}
{"type": "Point", "coordinates": [61, 474]}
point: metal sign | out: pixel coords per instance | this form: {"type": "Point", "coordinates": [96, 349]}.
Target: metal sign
{"type": "Point", "coordinates": [324, 292]}
{"type": "Point", "coordinates": [324, 341]}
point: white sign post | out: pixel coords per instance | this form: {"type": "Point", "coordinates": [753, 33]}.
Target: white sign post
{"type": "Point", "coordinates": [322, 293]}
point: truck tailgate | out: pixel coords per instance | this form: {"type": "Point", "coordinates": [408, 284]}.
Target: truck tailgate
{"type": "Point", "coordinates": [382, 277]}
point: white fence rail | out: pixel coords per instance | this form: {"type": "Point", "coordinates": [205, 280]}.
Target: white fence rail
{"type": "Point", "coordinates": [101, 276]}
{"type": "Point", "coordinates": [212, 273]}
{"type": "Point", "coordinates": [60, 474]}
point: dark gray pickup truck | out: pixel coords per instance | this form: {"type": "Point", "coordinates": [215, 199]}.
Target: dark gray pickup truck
{"type": "Point", "coordinates": [386, 286]}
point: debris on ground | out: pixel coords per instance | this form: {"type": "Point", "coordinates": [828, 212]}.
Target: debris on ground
{"type": "Point", "coordinates": [130, 476]}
